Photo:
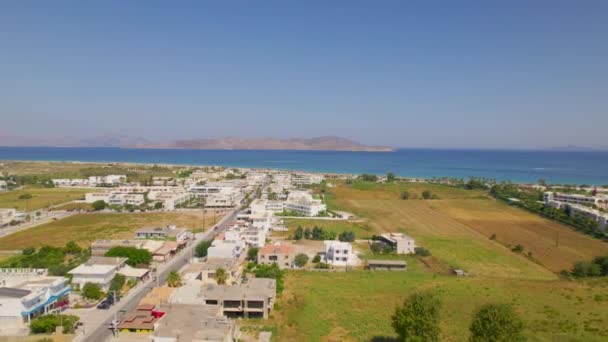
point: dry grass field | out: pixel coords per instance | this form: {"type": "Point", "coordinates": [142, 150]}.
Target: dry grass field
{"type": "Point", "coordinates": [361, 229]}
{"type": "Point", "coordinates": [85, 228]}
{"type": "Point", "coordinates": [41, 197]}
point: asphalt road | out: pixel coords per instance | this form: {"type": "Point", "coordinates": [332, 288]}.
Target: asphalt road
{"type": "Point", "coordinates": [101, 331]}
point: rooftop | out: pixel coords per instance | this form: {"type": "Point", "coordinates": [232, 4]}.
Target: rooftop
{"type": "Point", "coordinates": [277, 249]}
{"type": "Point", "coordinates": [193, 323]}
{"type": "Point", "coordinates": [9, 292]}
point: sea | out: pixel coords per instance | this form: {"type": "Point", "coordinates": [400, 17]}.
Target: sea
{"type": "Point", "coordinates": [557, 167]}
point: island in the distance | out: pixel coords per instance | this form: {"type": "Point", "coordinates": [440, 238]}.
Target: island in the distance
{"type": "Point", "coordinates": [325, 143]}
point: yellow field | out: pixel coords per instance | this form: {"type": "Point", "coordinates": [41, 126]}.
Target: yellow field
{"type": "Point", "coordinates": [41, 197]}
{"type": "Point", "coordinates": [85, 228]}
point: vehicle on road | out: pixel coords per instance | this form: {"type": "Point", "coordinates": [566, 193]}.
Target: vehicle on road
{"type": "Point", "coordinates": [104, 305]}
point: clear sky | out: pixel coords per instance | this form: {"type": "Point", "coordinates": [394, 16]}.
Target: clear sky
{"type": "Point", "coordinates": [495, 74]}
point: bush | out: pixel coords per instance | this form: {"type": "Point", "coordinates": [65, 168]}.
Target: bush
{"type": "Point", "coordinates": [299, 233]}
{"type": "Point", "coordinates": [405, 195]}
{"type": "Point", "coordinates": [48, 323]}
{"type": "Point", "coordinates": [25, 196]}
{"type": "Point", "coordinates": [98, 205]}
{"type": "Point", "coordinates": [135, 256]}
{"type": "Point", "coordinates": [347, 236]}
{"type": "Point", "coordinates": [174, 279]}
{"type": "Point", "coordinates": [323, 266]}
{"type": "Point", "coordinates": [92, 291]}
{"type": "Point", "coordinates": [301, 260]}
{"type": "Point", "coordinates": [426, 194]}
{"type": "Point", "coordinates": [28, 251]}
{"type": "Point", "coordinates": [368, 177]}
{"type": "Point", "coordinates": [421, 251]}
{"type": "Point", "coordinates": [271, 271]}
{"type": "Point", "coordinates": [72, 248]}
{"type": "Point", "coordinates": [583, 269]}
{"type": "Point", "coordinates": [316, 259]}
{"type": "Point", "coordinates": [200, 251]}
{"type": "Point", "coordinates": [418, 318]}
{"type": "Point", "coordinates": [518, 249]}
{"type": "Point", "coordinates": [496, 322]}
{"type": "Point", "coordinates": [380, 247]}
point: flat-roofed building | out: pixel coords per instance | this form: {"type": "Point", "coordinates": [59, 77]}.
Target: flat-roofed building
{"type": "Point", "coordinates": [97, 270]}
{"type": "Point", "coordinates": [387, 265]}
{"type": "Point", "coordinates": [339, 253]}
{"type": "Point", "coordinates": [600, 201]}
{"type": "Point", "coordinates": [28, 293]}
{"type": "Point", "coordinates": [181, 235]}
{"type": "Point", "coordinates": [303, 203]}
{"type": "Point", "coordinates": [402, 243]}
{"type": "Point", "coordinates": [186, 323]}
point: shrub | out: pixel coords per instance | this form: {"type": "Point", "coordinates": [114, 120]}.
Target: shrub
{"type": "Point", "coordinates": [323, 266]}
{"type": "Point", "coordinates": [174, 279]}
{"type": "Point", "coordinates": [421, 251]}
{"type": "Point", "coordinates": [98, 205]}
{"type": "Point", "coordinates": [117, 282]}
{"type": "Point", "coordinates": [418, 318]}
{"type": "Point", "coordinates": [405, 195]}
{"type": "Point", "coordinates": [25, 196]}
{"type": "Point", "coordinates": [518, 249]}
{"type": "Point", "coordinates": [271, 271]}
{"type": "Point", "coordinates": [72, 248]}
{"type": "Point", "coordinates": [496, 322]}
{"type": "Point", "coordinates": [48, 323]}
{"type": "Point", "coordinates": [301, 260]}
{"type": "Point", "coordinates": [201, 249]}
{"type": "Point", "coordinates": [586, 269]}
{"type": "Point", "coordinates": [92, 291]}
{"type": "Point", "coordinates": [426, 194]}
{"type": "Point", "coordinates": [316, 259]}
{"type": "Point", "coordinates": [368, 177]}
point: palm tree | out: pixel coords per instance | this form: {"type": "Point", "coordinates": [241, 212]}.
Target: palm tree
{"type": "Point", "coordinates": [174, 279]}
{"type": "Point", "coordinates": [221, 276]}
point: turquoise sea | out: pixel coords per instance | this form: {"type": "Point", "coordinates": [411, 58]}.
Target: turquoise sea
{"type": "Point", "coordinates": [517, 166]}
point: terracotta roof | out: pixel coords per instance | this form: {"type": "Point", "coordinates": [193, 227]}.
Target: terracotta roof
{"type": "Point", "coordinates": [277, 249]}
{"type": "Point", "coordinates": [143, 318]}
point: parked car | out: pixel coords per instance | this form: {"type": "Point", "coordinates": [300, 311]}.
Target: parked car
{"type": "Point", "coordinates": [104, 305]}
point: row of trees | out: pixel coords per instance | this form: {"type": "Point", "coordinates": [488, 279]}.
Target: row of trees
{"type": "Point", "coordinates": [598, 267]}
{"type": "Point", "coordinates": [426, 194]}
{"type": "Point", "coordinates": [58, 260]}
{"type": "Point", "coordinates": [418, 320]}
{"type": "Point", "coordinates": [135, 256]}
{"type": "Point", "coordinates": [316, 233]}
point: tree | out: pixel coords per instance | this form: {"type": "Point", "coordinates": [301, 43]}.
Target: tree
{"type": "Point", "coordinates": [298, 234]}
{"type": "Point", "coordinates": [426, 194]}
{"type": "Point", "coordinates": [602, 262]}
{"type": "Point", "coordinates": [347, 236]}
{"type": "Point", "coordinates": [390, 177]}
{"type": "Point", "coordinates": [98, 205]}
{"type": "Point", "coordinates": [200, 251]}
{"type": "Point", "coordinates": [271, 271]}
{"type": "Point", "coordinates": [307, 233]}
{"type": "Point", "coordinates": [418, 318]}
{"type": "Point", "coordinates": [586, 269]}
{"type": "Point", "coordinates": [496, 323]}
{"type": "Point", "coordinates": [252, 254]}
{"type": "Point", "coordinates": [72, 248]}
{"type": "Point", "coordinates": [301, 260]}
{"type": "Point", "coordinates": [405, 195]}
{"type": "Point", "coordinates": [518, 249]}
{"type": "Point", "coordinates": [174, 279]}
{"type": "Point", "coordinates": [368, 177]}
{"type": "Point", "coordinates": [25, 196]}
{"type": "Point", "coordinates": [91, 291]}
{"type": "Point", "coordinates": [158, 205]}
{"type": "Point", "coordinates": [117, 282]}
{"type": "Point", "coordinates": [221, 276]}
{"type": "Point", "coordinates": [28, 251]}
{"type": "Point", "coordinates": [135, 256]}
{"type": "Point", "coordinates": [47, 324]}
{"type": "Point", "coordinates": [421, 251]}
{"type": "Point", "coordinates": [316, 259]}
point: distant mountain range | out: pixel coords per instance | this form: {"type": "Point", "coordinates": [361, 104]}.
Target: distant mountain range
{"type": "Point", "coordinates": [327, 143]}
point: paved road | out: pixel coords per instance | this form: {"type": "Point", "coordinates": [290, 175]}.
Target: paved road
{"type": "Point", "coordinates": [47, 216]}
{"type": "Point", "coordinates": [101, 332]}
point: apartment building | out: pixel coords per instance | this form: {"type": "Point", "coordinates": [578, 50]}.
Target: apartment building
{"type": "Point", "coordinates": [600, 201]}
{"type": "Point", "coordinates": [64, 183]}
{"type": "Point", "coordinates": [339, 253]}
{"type": "Point", "coordinates": [303, 203]}
{"type": "Point", "coordinates": [227, 245]}
{"type": "Point", "coordinates": [225, 194]}
{"type": "Point", "coordinates": [109, 180]}
{"type": "Point", "coordinates": [26, 294]}
{"type": "Point", "coordinates": [306, 178]}
{"type": "Point", "coordinates": [596, 215]}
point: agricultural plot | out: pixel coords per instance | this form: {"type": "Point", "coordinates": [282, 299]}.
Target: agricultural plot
{"type": "Point", "coordinates": [85, 228]}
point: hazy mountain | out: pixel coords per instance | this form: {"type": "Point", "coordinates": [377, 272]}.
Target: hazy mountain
{"type": "Point", "coordinates": [328, 143]}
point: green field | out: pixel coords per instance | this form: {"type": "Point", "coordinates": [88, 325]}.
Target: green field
{"type": "Point", "coordinates": [356, 306]}
{"type": "Point", "coordinates": [456, 228]}
{"type": "Point", "coordinates": [41, 197]}
{"type": "Point", "coordinates": [361, 229]}
{"type": "Point", "coordinates": [85, 228]}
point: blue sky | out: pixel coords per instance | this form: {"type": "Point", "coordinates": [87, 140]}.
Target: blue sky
{"type": "Point", "coordinates": [495, 74]}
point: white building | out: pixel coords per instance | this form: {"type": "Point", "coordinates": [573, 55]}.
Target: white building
{"type": "Point", "coordinates": [599, 201]}
{"type": "Point", "coordinates": [97, 270]}
{"type": "Point", "coordinates": [302, 203]}
{"type": "Point", "coordinates": [225, 194]}
{"type": "Point", "coordinates": [76, 182]}
{"type": "Point", "coordinates": [262, 206]}
{"type": "Point", "coordinates": [403, 244]}
{"type": "Point", "coordinates": [170, 199]}
{"type": "Point", "coordinates": [109, 180]}
{"type": "Point", "coordinates": [306, 178]}
{"type": "Point", "coordinates": [339, 253]}
{"type": "Point", "coordinates": [26, 294]}
{"type": "Point", "coordinates": [230, 245]}
{"type": "Point", "coordinates": [113, 198]}
{"type": "Point", "coordinates": [596, 215]}
{"type": "Point", "coordinates": [3, 186]}
{"type": "Point", "coordinates": [181, 235]}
